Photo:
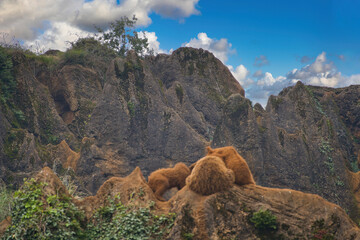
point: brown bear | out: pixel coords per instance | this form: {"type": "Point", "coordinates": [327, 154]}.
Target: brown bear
{"type": "Point", "coordinates": [165, 178]}
{"type": "Point", "coordinates": [210, 175]}
{"type": "Point", "coordinates": [235, 162]}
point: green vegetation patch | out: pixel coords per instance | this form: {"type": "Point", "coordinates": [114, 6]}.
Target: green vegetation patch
{"type": "Point", "coordinates": [36, 216]}
{"type": "Point", "coordinates": [326, 149]}
{"type": "Point", "coordinates": [12, 144]}
{"type": "Point", "coordinates": [8, 90]}
{"type": "Point", "coordinates": [264, 221]}
{"type": "Point", "coordinates": [179, 93]}
{"type": "Point", "coordinates": [117, 221]}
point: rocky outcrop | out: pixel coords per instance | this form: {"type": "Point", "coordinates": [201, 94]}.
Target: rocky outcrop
{"type": "Point", "coordinates": [227, 215]}
{"type": "Point", "coordinates": [224, 215]}
{"type": "Point", "coordinates": [304, 140]}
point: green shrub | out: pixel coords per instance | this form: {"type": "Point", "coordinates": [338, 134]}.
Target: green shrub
{"type": "Point", "coordinates": [264, 220]}
{"type": "Point", "coordinates": [36, 216]}
{"type": "Point", "coordinates": [75, 56]}
{"type": "Point", "coordinates": [116, 221]}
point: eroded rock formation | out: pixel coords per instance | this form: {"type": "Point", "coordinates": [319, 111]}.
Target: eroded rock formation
{"type": "Point", "coordinates": [224, 215]}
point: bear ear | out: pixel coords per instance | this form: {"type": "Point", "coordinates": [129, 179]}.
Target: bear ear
{"type": "Point", "coordinates": [192, 166]}
{"type": "Point", "coordinates": [209, 150]}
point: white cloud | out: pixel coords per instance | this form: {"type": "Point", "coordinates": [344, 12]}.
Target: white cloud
{"type": "Point", "coordinates": [23, 18]}
{"type": "Point", "coordinates": [267, 80]}
{"type": "Point", "coordinates": [267, 85]}
{"type": "Point", "coordinates": [242, 75]}
{"type": "Point", "coordinates": [175, 8]}
{"type": "Point", "coordinates": [53, 38]}
{"type": "Point", "coordinates": [320, 65]}
{"type": "Point", "coordinates": [38, 20]}
{"type": "Point", "coordinates": [351, 80]}
{"type": "Point", "coordinates": [321, 73]}
{"type": "Point", "coordinates": [154, 44]}
{"type": "Point", "coordinates": [220, 48]}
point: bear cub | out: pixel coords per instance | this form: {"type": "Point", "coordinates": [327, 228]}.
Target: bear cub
{"type": "Point", "coordinates": [164, 179]}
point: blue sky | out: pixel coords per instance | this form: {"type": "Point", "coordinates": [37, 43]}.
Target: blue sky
{"type": "Point", "coordinates": [284, 31]}
{"type": "Point", "coordinates": [267, 45]}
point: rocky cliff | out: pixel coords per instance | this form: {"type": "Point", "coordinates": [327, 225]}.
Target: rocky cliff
{"type": "Point", "coordinates": [102, 117]}
{"type": "Point", "coordinates": [150, 112]}
{"type": "Point", "coordinates": [305, 139]}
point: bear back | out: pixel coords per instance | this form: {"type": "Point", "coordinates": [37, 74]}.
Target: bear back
{"type": "Point", "coordinates": [210, 175]}
{"type": "Point", "coordinates": [235, 162]}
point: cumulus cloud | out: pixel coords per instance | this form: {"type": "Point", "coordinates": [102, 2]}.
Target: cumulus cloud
{"type": "Point", "coordinates": [321, 72]}
{"type": "Point", "coordinates": [261, 61]}
{"type": "Point", "coordinates": [242, 75]}
{"type": "Point", "coordinates": [220, 48]}
{"type": "Point", "coordinates": [53, 38]}
{"type": "Point", "coordinates": [154, 44]}
{"type": "Point", "coordinates": [27, 20]}
{"type": "Point", "coordinates": [269, 80]}
{"type": "Point", "coordinates": [175, 8]}
{"type": "Point", "coordinates": [351, 80]}
{"type": "Point", "coordinates": [267, 85]}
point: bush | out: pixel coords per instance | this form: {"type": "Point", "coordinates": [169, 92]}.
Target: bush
{"type": "Point", "coordinates": [116, 221]}
{"type": "Point", "coordinates": [36, 216]}
{"type": "Point", "coordinates": [264, 220]}
{"type": "Point", "coordinates": [75, 56]}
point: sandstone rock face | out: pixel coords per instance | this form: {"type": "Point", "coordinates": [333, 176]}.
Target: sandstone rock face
{"type": "Point", "coordinates": [303, 140]}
